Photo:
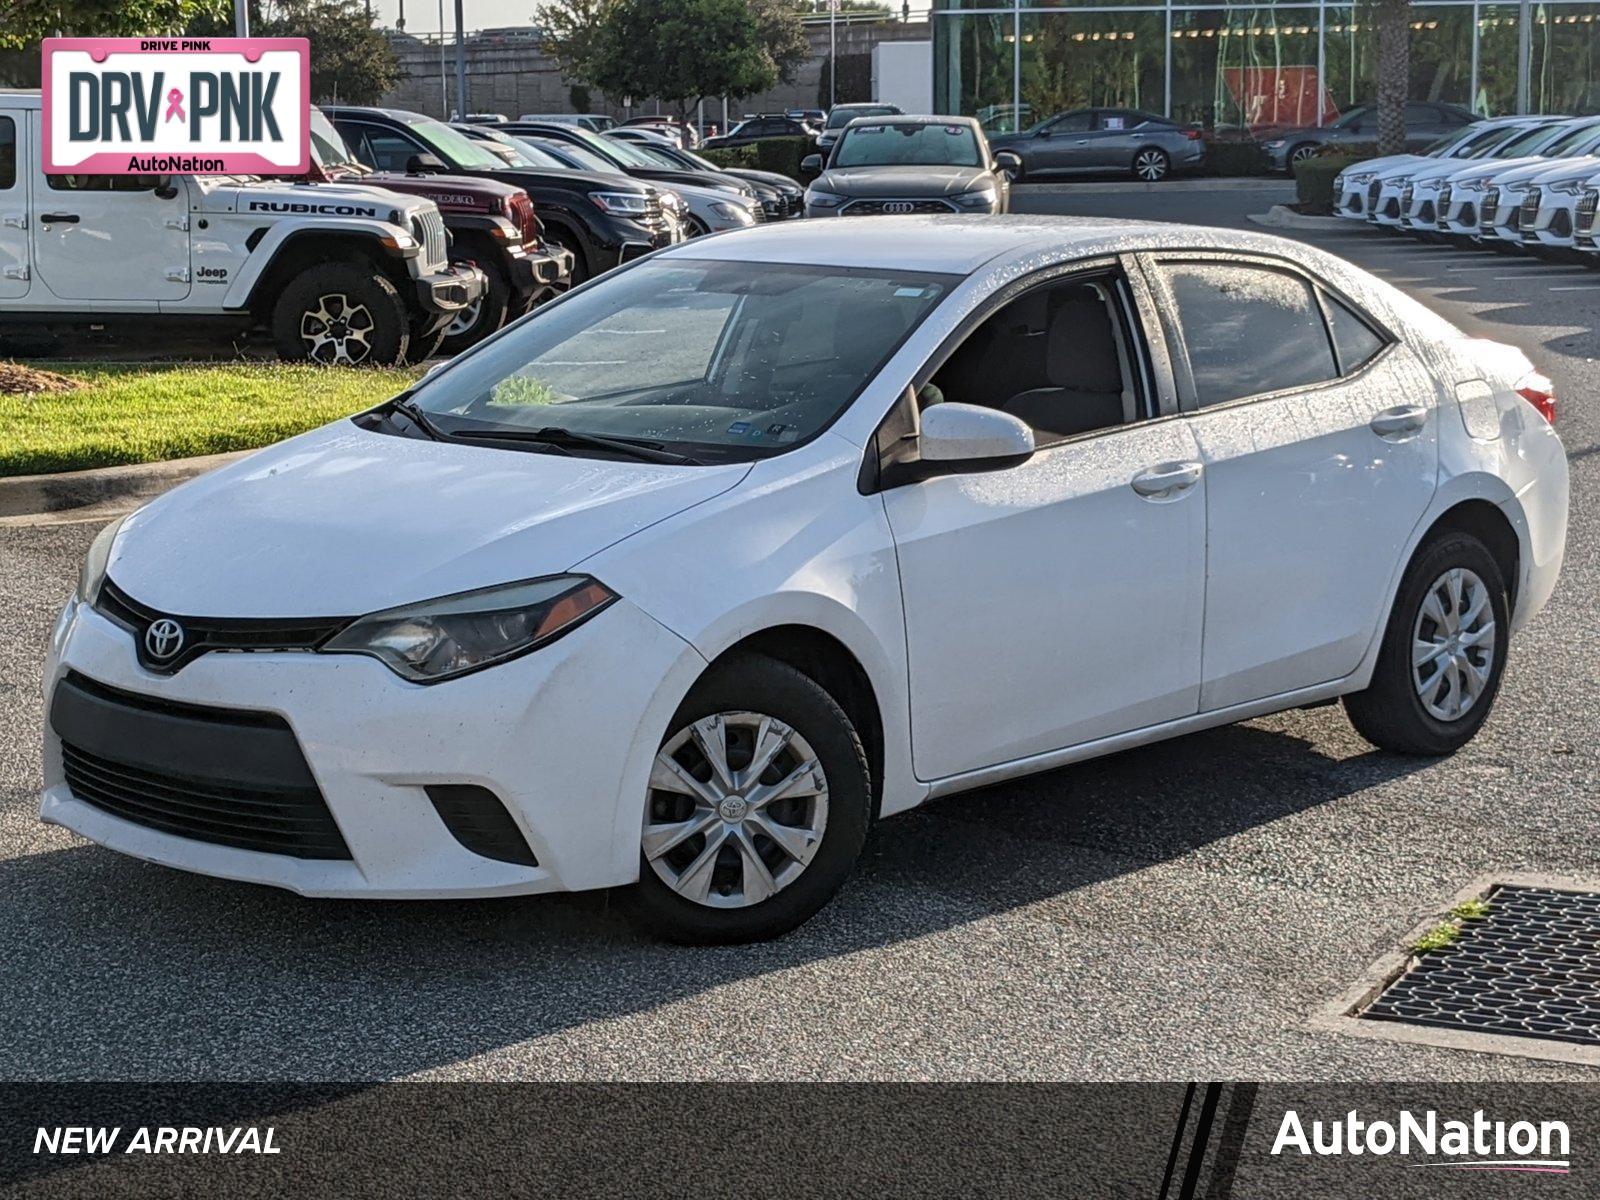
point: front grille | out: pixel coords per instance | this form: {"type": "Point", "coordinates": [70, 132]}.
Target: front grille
{"type": "Point", "coordinates": [232, 778]}
{"type": "Point", "coordinates": [1588, 205]}
{"type": "Point", "coordinates": [1489, 209]}
{"type": "Point", "coordinates": [870, 208]}
{"type": "Point", "coordinates": [203, 634]}
{"type": "Point", "coordinates": [1443, 216]}
{"type": "Point", "coordinates": [759, 213]}
{"type": "Point", "coordinates": [1374, 190]}
{"type": "Point", "coordinates": [1407, 194]}
{"type": "Point", "coordinates": [430, 231]}
{"type": "Point", "coordinates": [797, 204]}
{"type": "Point", "coordinates": [1529, 216]}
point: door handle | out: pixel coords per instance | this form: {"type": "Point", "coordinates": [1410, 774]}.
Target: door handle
{"type": "Point", "coordinates": [1167, 479]}
{"type": "Point", "coordinates": [1405, 418]}
{"type": "Point", "coordinates": [63, 218]}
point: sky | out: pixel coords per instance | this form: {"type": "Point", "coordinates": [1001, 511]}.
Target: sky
{"type": "Point", "coordinates": [422, 16]}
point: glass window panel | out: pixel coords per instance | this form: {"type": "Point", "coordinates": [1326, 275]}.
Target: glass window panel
{"type": "Point", "coordinates": [1102, 59]}
{"type": "Point", "coordinates": [8, 153]}
{"type": "Point", "coordinates": [974, 68]}
{"type": "Point", "coordinates": [1497, 60]}
{"type": "Point", "coordinates": [1563, 59]}
{"type": "Point", "coordinates": [1246, 68]}
{"type": "Point", "coordinates": [1441, 56]}
{"type": "Point", "coordinates": [1357, 344]}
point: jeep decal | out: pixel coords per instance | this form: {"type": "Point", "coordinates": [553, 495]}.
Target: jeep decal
{"type": "Point", "coordinates": [321, 210]}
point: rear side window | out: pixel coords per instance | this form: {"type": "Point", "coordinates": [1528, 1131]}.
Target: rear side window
{"type": "Point", "coordinates": [1354, 340]}
{"type": "Point", "coordinates": [8, 154]}
{"type": "Point", "coordinates": [1248, 330]}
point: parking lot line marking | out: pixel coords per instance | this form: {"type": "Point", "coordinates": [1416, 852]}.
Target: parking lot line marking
{"type": "Point", "coordinates": [1578, 287]}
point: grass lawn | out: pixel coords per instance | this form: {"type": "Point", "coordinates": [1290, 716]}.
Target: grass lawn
{"type": "Point", "coordinates": [150, 412]}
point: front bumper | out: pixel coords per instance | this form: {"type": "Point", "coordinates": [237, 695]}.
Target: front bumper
{"type": "Point", "coordinates": [1554, 223]}
{"type": "Point", "coordinates": [536, 274]}
{"type": "Point", "coordinates": [443, 294]}
{"type": "Point", "coordinates": [564, 737]}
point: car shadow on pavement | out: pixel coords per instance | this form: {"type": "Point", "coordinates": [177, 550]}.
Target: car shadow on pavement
{"type": "Point", "coordinates": [112, 968]}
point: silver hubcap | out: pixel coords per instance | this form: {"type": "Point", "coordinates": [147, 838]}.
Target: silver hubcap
{"type": "Point", "coordinates": [336, 331]}
{"type": "Point", "coordinates": [1452, 644]}
{"type": "Point", "coordinates": [737, 808]}
{"type": "Point", "coordinates": [1150, 165]}
{"type": "Point", "coordinates": [1302, 154]}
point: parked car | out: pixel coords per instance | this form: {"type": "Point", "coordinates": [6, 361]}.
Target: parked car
{"type": "Point", "coordinates": [896, 165]}
{"type": "Point", "coordinates": [602, 220]}
{"type": "Point", "coordinates": [841, 115]}
{"type": "Point", "coordinates": [685, 580]}
{"type": "Point", "coordinates": [336, 273]}
{"type": "Point", "coordinates": [595, 122]}
{"type": "Point", "coordinates": [791, 197]}
{"type": "Point", "coordinates": [1425, 122]}
{"type": "Point", "coordinates": [1097, 140]}
{"type": "Point", "coordinates": [755, 129]}
{"type": "Point", "coordinates": [1470, 141]}
{"type": "Point", "coordinates": [485, 118]}
{"type": "Point", "coordinates": [1506, 188]}
{"type": "Point", "coordinates": [683, 134]}
{"type": "Point", "coordinates": [1552, 205]}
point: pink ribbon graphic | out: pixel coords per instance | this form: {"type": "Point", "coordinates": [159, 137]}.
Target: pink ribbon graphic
{"type": "Point", "coordinates": [174, 106]}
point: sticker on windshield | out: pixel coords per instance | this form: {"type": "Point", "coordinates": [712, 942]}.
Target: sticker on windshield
{"type": "Point", "coordinates": [739, 428]}
{"type": "Point", "coordinates": [912, 293]}
{"type": "Point", "coordinates": [955, 130]}
{"type": "Point", "coordinates": [865, 130]}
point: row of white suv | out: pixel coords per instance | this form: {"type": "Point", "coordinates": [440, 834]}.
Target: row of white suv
{"type": "Point", "coordinates": [1531, 182]}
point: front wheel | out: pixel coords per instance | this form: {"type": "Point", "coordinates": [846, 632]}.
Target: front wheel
{"type": "Point", "coordinates": [341, 314]}
{"type": "Point", "coordinates": [1443, 653]}
{"type": "Point", "coordinates": [485, 314]}
{"type": "Point", "coordinates": [757, 807]}
{"type": "Point", "coordinates": [1151, 165]}
{"type": "Point", "coordinates": [1301, 153]}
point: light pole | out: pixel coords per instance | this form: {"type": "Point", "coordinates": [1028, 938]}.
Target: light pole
{"type": "Point", "coordinates": [241, 18]}
{"type": "Point", "coordinates": [833, 54]}
{"type": "Point", "coordinates": [444, 76]}
{"type": "Point", "coordinates": [461, 67]}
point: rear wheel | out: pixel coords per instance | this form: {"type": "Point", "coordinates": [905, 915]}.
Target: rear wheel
{"type": "Point", "coordinates": [1151, 165]}
{"type": "Point", "coordinates": [485, 314]}
{"type": "Point", "coordinates": [1443, 653]}
{"type": "Point", "coordinates": [758, 806]}
{"type": "Point", "coordinates": [341, 314]}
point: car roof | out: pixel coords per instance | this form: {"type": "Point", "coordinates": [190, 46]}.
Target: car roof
{"type": "Point", "coordinates": [959, 244]}
{"type": "Point", "coordinates": [916, 119]}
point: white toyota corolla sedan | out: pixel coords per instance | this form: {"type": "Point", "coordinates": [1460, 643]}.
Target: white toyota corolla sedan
{"type": "Point", "coordinates": [688, 577]}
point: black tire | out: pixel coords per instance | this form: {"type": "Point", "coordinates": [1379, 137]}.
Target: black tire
{"type": "Point", "coordinates": [697, 227]}
{"type": "Point", "coordinates": [1151, 165]}
{"type": "Point", "coordinates": [567, 241]}
{"type": "Point", "coordinates": [420, 346]}
{"type": "Point", "coordinates": [1390, 713]}
{"type": "Point", "coordinates": [294, 316]}
{"type": "Point", "coordinates": [754, 683]}
{"type": "Point", "coordinates": [493, 308]}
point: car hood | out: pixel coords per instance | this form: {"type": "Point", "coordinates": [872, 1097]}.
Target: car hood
{"type": "Point", "coordinates": [1495, 169]}
{"type": "Point", "coordinates": [1537, 168]}
{"type": "Point", "coordinates": [870, 182]}
{"type": "Point", "coordinates": [343, 521]}
{"type": "Point", "coordinates": [1582, 168]}
{"type": "Point", "coordinates": [1382, 168]}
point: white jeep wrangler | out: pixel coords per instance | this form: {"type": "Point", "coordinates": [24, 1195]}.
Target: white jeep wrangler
{"type": "Point", "coordinates": [338, 273]}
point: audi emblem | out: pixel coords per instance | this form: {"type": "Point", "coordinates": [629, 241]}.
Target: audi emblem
{"type": "Point", "coordinates": [899, 206]}
{"type": "Point", "coordinates": [163, 639]}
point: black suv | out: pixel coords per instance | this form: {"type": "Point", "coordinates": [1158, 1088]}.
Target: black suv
{"type": "Point", "coordinates": [601, 219]}
{"type": "Point", "coordinates": [768, 125]}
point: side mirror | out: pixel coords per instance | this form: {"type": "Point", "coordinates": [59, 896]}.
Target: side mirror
{"type": "Point", "coordinates": [812, 164]}
{"type": "Point", "coordinates": [965, 433]}
{"type": "Point", "coordinates": [1008, 164]}
{"type": "Point", "coordinates": [422, 164]}
{"type": "Point", "coordinates": [165, 189]}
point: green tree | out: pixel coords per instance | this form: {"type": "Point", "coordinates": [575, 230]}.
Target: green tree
{"type": "Point", "coordinates": [24, 22]}
{"type": "Point", "coordinates": [571, 32]}
{"type": "Point", "coordinates": [694, 50]}
{"type": "Point", "coordinates": [782, 35]}
{"type": "Point", "coordinates": [351, 61]}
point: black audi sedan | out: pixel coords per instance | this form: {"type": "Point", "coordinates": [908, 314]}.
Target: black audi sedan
{"type": "Point", "coordinates": [899, 164]}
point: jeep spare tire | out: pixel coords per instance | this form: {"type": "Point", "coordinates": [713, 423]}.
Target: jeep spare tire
{"type": "Point", "coordinates": [341, 314]}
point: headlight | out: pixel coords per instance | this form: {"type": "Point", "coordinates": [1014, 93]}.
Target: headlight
{"type": "Point", "coordinates": [1471, 185]}
{"type": "Point", "coordinates": [1277, 144]}
{"type": "Point", "coordinates": [823, 199]}
{"type": "Point", "coordinates": [982, 198]}
{"type": "Point", "coordinates": [622, 204]}
{"type": "Point", "coordinates": [439, 639]}
{"type": "Point", "coordinates": [1514, 187]}
{"type": "Point", "coordinates": [731, 212]}
{"type": "Point", "coordinates": [1567, 187]}
{"type": "Point", "coordinates": [96, 561]}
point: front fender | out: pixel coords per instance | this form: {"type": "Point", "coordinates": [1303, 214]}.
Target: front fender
{"type": "Point", "coordinates": [281, 236]}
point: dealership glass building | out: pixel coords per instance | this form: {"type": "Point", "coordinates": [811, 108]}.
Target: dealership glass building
{"type": "Point", "coordinates": [1254, 65]}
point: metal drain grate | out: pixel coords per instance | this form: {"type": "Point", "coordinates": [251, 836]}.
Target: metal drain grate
{"type": "Point", "coordinates": [1530, 968]}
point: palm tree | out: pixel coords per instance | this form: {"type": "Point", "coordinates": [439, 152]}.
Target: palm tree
{"type": "Point", "coordinates": [1394, 69]}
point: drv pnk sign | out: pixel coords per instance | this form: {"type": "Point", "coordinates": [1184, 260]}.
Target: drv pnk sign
{"type": "Point", "coordinates": [159, 106]}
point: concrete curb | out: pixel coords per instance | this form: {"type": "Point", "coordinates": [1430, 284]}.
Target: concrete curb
{"type": "Point", "coordinates": [1280, 216]}
{"type": "Point", "coordinates": [99, 493]}
{"type": "Point", "coordinates": [1204, 184]}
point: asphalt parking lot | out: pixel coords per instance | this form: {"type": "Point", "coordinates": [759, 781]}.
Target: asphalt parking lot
{"type": "Point", "coordinates": [1178, 911]}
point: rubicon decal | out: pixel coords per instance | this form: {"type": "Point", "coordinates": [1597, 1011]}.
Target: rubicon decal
{"type": "Point", "coordinates": [1478, 1144]}
{"type": "Point", "coordinates": [151, 106]}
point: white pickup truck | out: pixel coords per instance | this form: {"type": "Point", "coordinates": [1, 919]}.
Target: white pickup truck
{"type": "Point", "coordinates": [339, 273]}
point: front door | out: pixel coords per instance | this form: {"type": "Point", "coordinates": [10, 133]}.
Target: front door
{"type": "Point", "coordinates": [1319, 434]}
{"type": "Point", "coordinates": [112, 238]}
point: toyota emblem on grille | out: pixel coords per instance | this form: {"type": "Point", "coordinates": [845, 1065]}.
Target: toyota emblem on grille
{"type": "Point", "coordinates": [164, 638]}
{"type": "Point", "coordinates": [899, 206]}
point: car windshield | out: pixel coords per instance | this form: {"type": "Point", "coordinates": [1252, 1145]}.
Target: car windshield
{"type": "Point", "coordinates": [1456, 137]}
{"type": "Point", "coordinates": [1352, 117]}
{"type": "Point", "coordinates": [658, 156]}
{"type": "Point", "coordinates": [1532, 141]}
{"type": "Point", "coordinates": [911, 144]}
{"type": "Point", "coordinates": [327, 147]}
{"type": "Point", "coordinates": [1572, 140]}
{"type": "Point", "coordinates": [615, 153]}
{"type": "Point", "coordinates": [455, 147]}
{"type": "Point", "coordinates": [1491, 141]}
{"type": "Point", "coordinates": [723, 361]}
{"type": "Point", "coordinates": [840, 117]}
{"type": "Point", "coordinates": [578, 157]}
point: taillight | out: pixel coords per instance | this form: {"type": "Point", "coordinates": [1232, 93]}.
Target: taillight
{"type": "Point", "coordinates": [1194, 135]}
{"type": "Point", "coordinates": [525, 217]}
{"type": "Point", "coordinates": [1538, 391]}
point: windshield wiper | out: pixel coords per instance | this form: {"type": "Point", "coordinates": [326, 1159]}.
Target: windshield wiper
{"type": "Point", "coordinates": [560, 439]}
{"type": "Point", "coordinates": [417, 417]}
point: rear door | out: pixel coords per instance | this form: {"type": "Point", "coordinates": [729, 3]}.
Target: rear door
{"type": "Point", "coordinates": [1319, 434]}
{"type": "Point", "coordinates": [112, 238]}
{"type": "Point", "coordinates": [1114, 140]}
{"type": "Point", "coordinates": [13, 208]}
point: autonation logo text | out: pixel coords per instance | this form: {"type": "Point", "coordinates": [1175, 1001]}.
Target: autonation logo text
{"type": "Point", "coordinates": [1480, 1144]}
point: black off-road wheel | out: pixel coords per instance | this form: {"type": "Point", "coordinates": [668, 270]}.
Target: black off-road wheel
{"type": "Point", "coordinates": [341, 314]}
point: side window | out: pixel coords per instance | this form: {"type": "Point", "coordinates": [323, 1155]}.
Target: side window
{"type": "Point", "coordinates": [1354, 340]}
{"type": "Point", "coordinates": [391, 151]}
{"type": "Point", "coordinates": [1077, 122]}
{"type": "Point", "coordinates": [1057, 356]}
{"type": "Point", "coordinates": [1421, 114]}
{"type": "Point", "coordinates": [8, 154]}
{"type": "Point", "coordinates": [103, 183]}
{"type": "Point", "coordinates": [1248, 330]}
{"type": "Point", "coordinates": [355, 137]}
